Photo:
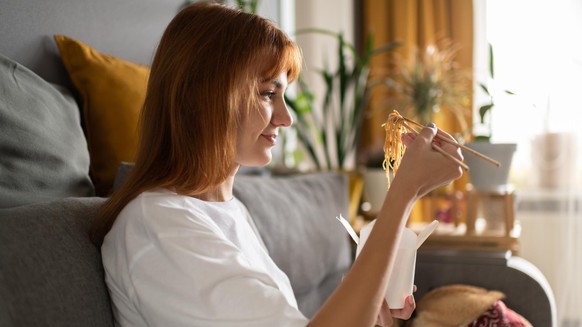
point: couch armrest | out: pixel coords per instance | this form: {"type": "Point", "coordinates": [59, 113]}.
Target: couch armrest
{"type": "Point", "coordinates": [527, 290]}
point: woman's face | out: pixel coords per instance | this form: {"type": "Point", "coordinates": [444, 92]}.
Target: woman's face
{"type": "Point", "coordinates": [258, 131]}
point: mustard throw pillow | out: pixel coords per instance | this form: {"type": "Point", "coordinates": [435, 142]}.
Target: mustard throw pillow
{"type": "Point", "coordinates": [113, 92]}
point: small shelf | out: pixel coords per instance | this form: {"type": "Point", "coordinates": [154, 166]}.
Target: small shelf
{"type": "Point", "coordinates": [472, 242]}
{"type": "Point", "coordinates": [488, 225]}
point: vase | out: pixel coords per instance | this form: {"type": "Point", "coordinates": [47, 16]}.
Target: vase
{"type": "Point", "coordinates": [484, 176]}
{"type": "Point", "coordinates": [554, 160]}
{"type": "Point", "coordinates": [375, 187]}
{"type": "Point", "coordinates": [491, 182]}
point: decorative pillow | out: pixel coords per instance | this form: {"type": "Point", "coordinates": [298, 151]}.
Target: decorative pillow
{"type": "Point", "coordinates": [51, 274]}
{"type": "Point", "coordinates": [295, 216]}
{"type": "Point", "coordinates": [43, 150]}
{"type": "Point", "coordinates": [465, 305]}
{"type": "Point", "coordinates": [113, 91]}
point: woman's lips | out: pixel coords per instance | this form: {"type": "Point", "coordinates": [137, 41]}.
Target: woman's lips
{"type": "Point", "coordinates": [271, 138]}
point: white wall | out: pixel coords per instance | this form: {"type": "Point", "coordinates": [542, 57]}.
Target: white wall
{"type": "Point", "coordinates": [333, 15]}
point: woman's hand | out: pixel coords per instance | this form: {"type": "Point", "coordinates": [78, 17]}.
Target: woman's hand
{"type": "Point", "coordinates": [423, 168]}
{"type": "Point", "coordinates": [386, 314]}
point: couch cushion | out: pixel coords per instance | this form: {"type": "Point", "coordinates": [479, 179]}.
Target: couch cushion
{"type": "Point", "coordinates": [50, 272]}
{"type": "Point", "coordinates": [113, 92]}
{"type": "Point", "coordinates": [44, 152]}
{"type": "Point", "coordinates": [295, 216]}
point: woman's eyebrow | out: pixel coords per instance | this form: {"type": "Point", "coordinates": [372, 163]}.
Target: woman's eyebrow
{"type": "Point", "coordinates": [277, 84]}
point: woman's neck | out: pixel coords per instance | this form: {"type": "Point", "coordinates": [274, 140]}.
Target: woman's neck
{"type": "Point", "coordinates": [221, 193]}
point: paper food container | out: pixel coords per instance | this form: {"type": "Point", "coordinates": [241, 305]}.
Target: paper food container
{"type": "Point", "coordinates": [401, 281]}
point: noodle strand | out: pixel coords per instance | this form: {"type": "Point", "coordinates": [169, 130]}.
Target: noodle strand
{"type": "Point", "coordinates": [393, 146]}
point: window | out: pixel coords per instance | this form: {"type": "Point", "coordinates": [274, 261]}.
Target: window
{"type": "Point", "coordinates": [538, 56]}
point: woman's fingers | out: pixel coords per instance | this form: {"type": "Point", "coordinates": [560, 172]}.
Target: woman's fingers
{"type": "Point", "coordinates": [385, 316]}
{"type": "Point", "coordinates": [451, 148]}
{"type": "Point", "coordinates": [406, 312]}
{"type": "Point", "coordinates": [423, 168]}
{"type": "Point", "coordinates": [427, 134]}
{"type": "Point", "coordinates": [407, 138]}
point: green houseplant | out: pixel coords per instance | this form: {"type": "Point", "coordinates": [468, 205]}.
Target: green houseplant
{"type": "Point", "coordinates": [483, 176]}
{"type": "Point", "coordinates": [330, 130]}
{"type": "Point", "coordinates": [485, 109]}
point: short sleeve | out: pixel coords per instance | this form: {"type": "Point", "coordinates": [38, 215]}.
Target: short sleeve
{"type": "Point", "coordinates": [198, 278]}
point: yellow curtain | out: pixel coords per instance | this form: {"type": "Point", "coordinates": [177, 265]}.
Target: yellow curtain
{"type": "Point", "coordinates": [416, 24]}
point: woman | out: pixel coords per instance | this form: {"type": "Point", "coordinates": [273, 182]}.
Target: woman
{"type": "Point", "coordinates": [178, 249]}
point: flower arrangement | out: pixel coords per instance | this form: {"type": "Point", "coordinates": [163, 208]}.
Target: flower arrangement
{"type": "Point", "coordinates": [433, 81]}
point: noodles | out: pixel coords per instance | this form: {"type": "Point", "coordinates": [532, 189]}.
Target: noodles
{"type": "Point", "coordinates": [393, 146]}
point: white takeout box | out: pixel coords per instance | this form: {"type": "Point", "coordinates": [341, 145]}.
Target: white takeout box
{"type": "Point", "coordinates": [401, 281]}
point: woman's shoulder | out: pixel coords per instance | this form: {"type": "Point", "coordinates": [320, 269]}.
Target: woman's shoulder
{"type": "Point", "coordinates": [161, 210]}
{"type": "Point", "coordinates": [158, 197]}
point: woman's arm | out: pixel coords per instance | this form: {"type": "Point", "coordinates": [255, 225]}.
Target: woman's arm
{"type": "Point", "coordinates": [358, 299]}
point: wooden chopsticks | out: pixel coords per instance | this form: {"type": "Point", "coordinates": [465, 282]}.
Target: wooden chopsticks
{"type": "Point", "coordinates": [438, 149]}
{"type": "Point", "coordinates": [445, 139]}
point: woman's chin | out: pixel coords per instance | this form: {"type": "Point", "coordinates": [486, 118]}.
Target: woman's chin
{"type": "Point", "coordinates": [258, 162]}
{"type": "Point", "coordinates": [264, 162]}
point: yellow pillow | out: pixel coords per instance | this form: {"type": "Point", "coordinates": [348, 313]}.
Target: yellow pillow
{"type": "Point", "coordinates": [113, 92]}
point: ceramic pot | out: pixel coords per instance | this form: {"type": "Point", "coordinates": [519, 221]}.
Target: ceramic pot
{"type": "Point", "coordinates": [554, 160]}
{"type": "Point", "coordinates": [484, 176]}
{"type": "Point", "coordinates": [375, 187]}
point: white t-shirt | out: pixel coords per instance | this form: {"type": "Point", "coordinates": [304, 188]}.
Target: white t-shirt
{"type": "Point", "coordinates": [173, 260]}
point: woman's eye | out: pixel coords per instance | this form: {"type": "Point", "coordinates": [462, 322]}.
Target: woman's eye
{"type": "Point", "coordinates": [268, 94]}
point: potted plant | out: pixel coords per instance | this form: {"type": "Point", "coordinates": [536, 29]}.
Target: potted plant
{"type": "Point", "coordinates": [330, 130]}
{"type": "Point", "coordinates": [431, 82]}
{"type": "Point", "coordinates": [483, 176]}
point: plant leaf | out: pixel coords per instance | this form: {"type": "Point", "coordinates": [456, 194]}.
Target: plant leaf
{"type": "Point", "coordinates": [343, 78]}
{"type": "Point", "coordinates": [485, 89]}
{"type": "Point", "coordinates": [485, 138]}
{"type": "Point", "coordinates": [483, 111]}
{"type": "Point", "coordinates": [491, 70]}
{"type": "Point", "coordinates": [385, 48]}
{"type": "Point", "coordinates": [334, 128]}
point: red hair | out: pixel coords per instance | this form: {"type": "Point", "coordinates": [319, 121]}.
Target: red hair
{"type": "Point", "coordinates": [204, 78]}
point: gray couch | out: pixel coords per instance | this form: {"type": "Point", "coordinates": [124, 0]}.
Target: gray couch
{"type": "Point", "coordinates": [51, 275]}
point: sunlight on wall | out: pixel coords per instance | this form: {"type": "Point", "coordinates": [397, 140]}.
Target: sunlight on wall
{"type": "Point", "coordinates": [538, 56]}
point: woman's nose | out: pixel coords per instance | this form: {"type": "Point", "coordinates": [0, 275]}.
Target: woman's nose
{"type": "Point", "coordinates": [281, 114]}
